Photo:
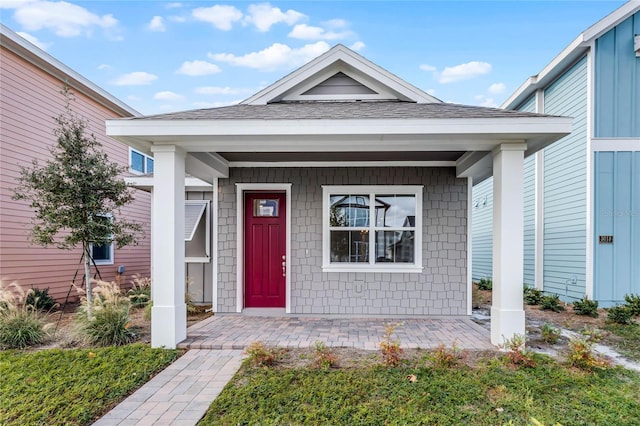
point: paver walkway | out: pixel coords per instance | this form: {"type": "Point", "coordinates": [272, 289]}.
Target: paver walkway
{"type": "Point", "coordinates": [182, 393]}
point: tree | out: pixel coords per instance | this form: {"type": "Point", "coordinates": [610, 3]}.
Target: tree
{"type": "Point", "coordinates": [77, 194]}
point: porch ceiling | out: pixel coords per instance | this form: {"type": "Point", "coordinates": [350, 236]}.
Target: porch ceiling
{"type": "Point", "coordinates": [274, 157]}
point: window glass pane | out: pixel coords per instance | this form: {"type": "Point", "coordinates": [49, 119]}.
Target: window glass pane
{"type": "Point", "coordinates": [349, 246]}
{"type": "Point", "coordinates": [101, 252]}
{"type": "Point", "coordinates": [149, 165]}
{"type": "Point", "coordinates": [395, 246]}
{"type": "Point", "coordinates": [349, 210]}
{"type": "Point", "coordinates": [137, 162]}
{"type": "Point", "coordinates": [396, 211]}
{"type": "Point", "coordinates": [265, 208]}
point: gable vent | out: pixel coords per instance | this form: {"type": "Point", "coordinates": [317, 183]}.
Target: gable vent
{"type": "Point", "coordinates": [340, 84]}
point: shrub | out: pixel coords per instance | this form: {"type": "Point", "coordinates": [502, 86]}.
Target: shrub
{"type": "Point", "coordinates": [586, 307]}
{"type": "Point", "coordinates": [621, 314]}
{"type": "Point", "coordinates": [551, 303]}
{"type": "Point", "coordinates": [21, 325]}
{"type": "Point", "coordinates": [485, 284]}
{"type": "Point", "coordinates": [390, 349]}
{"type": "Point", "coordinates": [140, 293]}
{"type": "Point", "coordinates": [259, 355]}
{"type": "Point", "coordinates": [443, 357]}
{"type": "Point", "coordinates": [40, 299]}
{"type": "Point", "coordinates": [532, 296]}
{"type": "Point", "coordinates": [581, 354]}
{"type": "Point", "coordinates": [517, 352]}
{"type": "Point", "coordinates": [109, 323]}
{"type": "Point", "coordinates": [633, 303]}
{"type": "Point", "coordinates": [324, 357]}
{"type": "Point", "coordinates": [550, 334]}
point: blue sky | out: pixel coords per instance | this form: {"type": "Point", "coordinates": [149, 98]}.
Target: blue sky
{"type": "Point", "coordinates": [160, 56]}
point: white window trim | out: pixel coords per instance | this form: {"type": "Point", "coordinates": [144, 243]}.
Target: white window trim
{"type": "Point", "coordinates": [111, 260]}
{"type": "Point", "coordinates": [328, 190]}
{"type": "Point", "coordinates": [144, 162]}
{"type": "Point", "coordinates": [207, 215]}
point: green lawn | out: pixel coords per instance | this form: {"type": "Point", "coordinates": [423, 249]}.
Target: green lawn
{"type": "Point", "coordinates": [72, 387]}
{"type": "Point", "coordinates": [625, 339]}
{"type": "Point", "coordinates": [492, 393]}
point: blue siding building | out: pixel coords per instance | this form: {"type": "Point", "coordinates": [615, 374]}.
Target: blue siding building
{"type": "Point", "coordinates": [582, 193]}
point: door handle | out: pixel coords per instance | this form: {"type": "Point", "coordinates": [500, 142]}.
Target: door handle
{"type": "Point", "coordinates": [284, 266]}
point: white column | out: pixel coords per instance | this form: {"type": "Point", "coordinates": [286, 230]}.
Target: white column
{"type": "Point", "coordinates": [169, 313]}
{"type": "Point", "coordinates": [507, 312]}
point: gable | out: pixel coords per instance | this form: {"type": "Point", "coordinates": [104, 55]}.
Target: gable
{"type": "Point", "coordinates": [340, 74]}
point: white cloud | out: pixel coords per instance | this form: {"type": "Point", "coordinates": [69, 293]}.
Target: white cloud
{"type": "Point", "coordinates": [357, 46]}
{"type": "Point", "coordinates": [168, 96]}
{"type": "Point", "coordinates": [496, 88]}
{"type": "Point", "coordinates": [263, 16]}
{"type": "Point", "coordinates": [276, 56]}
{"type": "Point", "coordinates": [220, 16]}
{"type": "Point", "coordinates": [34, 40]}
{"type": "Point", "coordinates": [307, 32]}
{"type": "Point", "coordinates": [102, 67]}
{"type": "Point", "coordinates": [63, 18]}
{"type": "Point", "coordinates": [157, 24]}
{"type": "Point", "coordinates": [216, 90]}
{"type": "Point", "coordinates": [463, 71]}
{"type": "Point", "coordinates": [138, 78]}
{"type": "Point", "coordinates": [176, 18]}
{"type": "Point", "coordinates": [489, 102]}
{"type": "Point", "coordinates": [425, 67]}
{"type": "Point", "coordinates": [173, 5]}
{"type": "Point", "coordinates": [198, 68]}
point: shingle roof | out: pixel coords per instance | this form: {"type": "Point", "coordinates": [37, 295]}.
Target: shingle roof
{"type": "Point", "coordinates": [340, 110]}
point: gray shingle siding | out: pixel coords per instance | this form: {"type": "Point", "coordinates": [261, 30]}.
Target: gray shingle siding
{"type": "Point", "coordinates": [440, 289]}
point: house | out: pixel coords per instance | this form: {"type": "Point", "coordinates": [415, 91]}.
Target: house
{"type": "Point", "coordinates": [581, 194]}
{"type": "Point", "coordinates": [31, 82]}
{"type": "Point", "coordinates": [316, 171]}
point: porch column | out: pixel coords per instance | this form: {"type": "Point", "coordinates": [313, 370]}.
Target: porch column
{"type": "Point", "coordinates": [507, 312]}
{"type": "Point", "coordinates": [169, 312]}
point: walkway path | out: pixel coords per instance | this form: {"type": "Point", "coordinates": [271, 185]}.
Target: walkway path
{"type": "Point", "coordinates": [182, 393]}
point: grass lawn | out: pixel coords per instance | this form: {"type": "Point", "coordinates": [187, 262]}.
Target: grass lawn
{"type": "Point", "coordinates": [73, 386]}
{"type": "Point", "coordinates": [625, 339]}
{"type": "Point", "coordinates": [491, 393]}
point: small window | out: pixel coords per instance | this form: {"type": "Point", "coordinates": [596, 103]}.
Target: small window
{"type": "Point", "coordinates": [197, 231]}
{"type": "Point", "coordinates": [102, 254]}
{"type": "Point", "coordinates": [265, 208]}
{"type": "Point", "coordinates": [140, 163]}
{"type": "Point", "coordinates": [372, 228]}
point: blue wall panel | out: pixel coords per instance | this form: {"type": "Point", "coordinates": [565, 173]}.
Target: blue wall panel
{"type": "Point", "coordinates": [565, 188]}
{"type": "Point", "coordinates": [617, 213]}
{"type": "Point", "coordinates": [529, 220]}
{"type": "Point", "coordinates": [482, 230]}
{"type": "Point", "coordinates": [617, 82]}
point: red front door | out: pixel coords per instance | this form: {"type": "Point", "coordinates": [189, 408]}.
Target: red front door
{"type": "Point", "coordinates": [264, 250]}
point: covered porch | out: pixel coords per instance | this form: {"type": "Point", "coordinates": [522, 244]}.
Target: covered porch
{"type": "Point", "coordinates": [341, 125]}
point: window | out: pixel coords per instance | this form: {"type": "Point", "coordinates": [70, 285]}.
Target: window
{"type": "Point", "coordinates": [140, 163]}
{"type": "Point", "coordinates": [197, 231]}
{"type": "Point", "coordinates": [102, 254]}
{"type": "Point", "coordinates": [372, 228]}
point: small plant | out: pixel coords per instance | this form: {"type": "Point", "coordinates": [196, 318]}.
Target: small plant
{"type": "Point", "coordinates": [633, 303]}
{"type": "Point", "coordinates": [192, 308]}
{"type": "Point", "coordinates": [443, 357]}
{"type": "Point", "coordinates": [581, 354]}
{"type": "Point", "coordinates": [551, 303]}
{"type": "Point", "coordinates": [587, 307]}
{"type": "Point", "coordinates": [517, 352]}
{"type": "Point", "coordinates": [324, 357]}
{"type": "Point", "coordinates": [40, 299]}
{"type": "Point", "coordinates": [532, 296]}
{"type": "Point", "coordinates": [140, 292]}
{"type": "Point", "coordinates": [550, 334]}
{"type": "Point", "coordinates": [621, 314]}
{"type": "Point", "coordinates": [109, 321]}
{"type": "Point", "coordinates": [485, 284]}
{"type": "Point", "coordinates": [21, 325]}
{"type": "Point", "coordinates": [390, 349]}
{"type": "Point", "coordinates": [259, 355]}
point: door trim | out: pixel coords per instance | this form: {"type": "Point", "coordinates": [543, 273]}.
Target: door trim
{"type": "Point", "coordinates": [241, 188]}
